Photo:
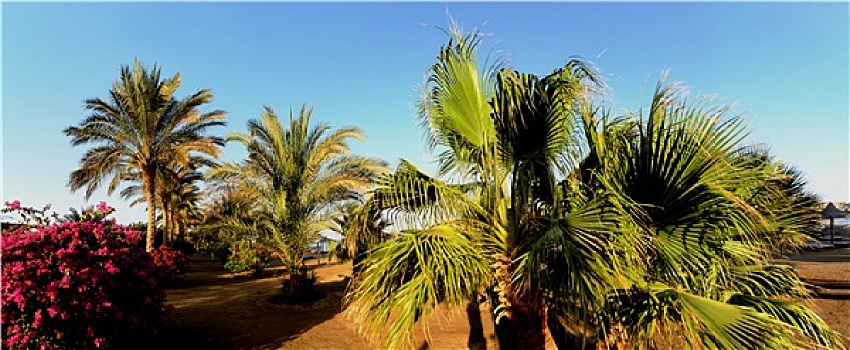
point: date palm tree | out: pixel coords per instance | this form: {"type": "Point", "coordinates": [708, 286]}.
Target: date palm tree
{"type": "Point", "coordinates": [139, 129]}
{"type": "Point", "coordinates": [177, 195]}
{"type": "Point", "coordinates": [647, 234]}
{"type": "Point", "coordinates": [296, 175]}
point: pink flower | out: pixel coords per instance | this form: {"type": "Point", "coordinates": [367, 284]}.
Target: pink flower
{"type": "Point", "coordinates": [102, 206]}
{"type": "Point", "coordinates": [15, 204]}
{"type": "Point", "coordinates": [46, 207]}
{"type": "Point", "coordinates": [13, 340]}
{"type": "Point", "coordinates": [110, 267]}
{"type": "Point", "coordinates": [17, 297]}
{"type": "Point", "coordinates": [37, 321]}
{"type": "Point", "coordinates": [98, 341]}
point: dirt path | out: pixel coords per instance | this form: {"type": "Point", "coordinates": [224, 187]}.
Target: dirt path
{"type": "Point", "coordinates": [219, 311]}
{"type": "Point", "coordinates": [830, 272]}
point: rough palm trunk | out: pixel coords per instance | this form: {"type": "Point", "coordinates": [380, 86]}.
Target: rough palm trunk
{"type": "Point", "coordinates": [166, 221]}
{"type": "Point", "coordinates": [178, 229]}
{"type": "Point", "coordinates": [149, 198]}
{"type": "Point", "coordinates": [524, 324]}
{"type": "Point", "coordinates": [529, 322]}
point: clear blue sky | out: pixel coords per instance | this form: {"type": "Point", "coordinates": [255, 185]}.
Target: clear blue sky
{"type": "Point", "coordinates": [785, 64]}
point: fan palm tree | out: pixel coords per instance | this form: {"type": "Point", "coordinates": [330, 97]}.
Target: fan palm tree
{"type": "Point", "coordinates": [509, 134]}
{"type": "Point", "coordinates": [706, 271]}
{"type": "Point", "coordinates": [139, 129]}
{"type": "Point", "coordinates": [647, 234]}
{"type": "Point", "coordinates": [296, 175]}
{"type": "Point", "coordinates": [785, 199]}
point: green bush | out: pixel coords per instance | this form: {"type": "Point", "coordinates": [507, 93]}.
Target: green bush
{"type": "Point", "coordinates": [247, 256]}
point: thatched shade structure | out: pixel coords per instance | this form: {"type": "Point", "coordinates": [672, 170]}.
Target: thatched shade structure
{"type": "Point", "coordinates": [832, 212]}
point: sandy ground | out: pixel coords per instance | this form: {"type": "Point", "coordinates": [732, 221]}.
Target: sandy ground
{"type": "Point", "coordinates": [830, 269]}
{"type": "Point", "coordinates": [219, 311]}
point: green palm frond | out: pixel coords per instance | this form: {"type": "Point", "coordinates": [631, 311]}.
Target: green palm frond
{"type": "Point", "coordinates": [455, 109]}
{"type": "Point", "coordinates": [414, 199]}
{"type": "Point", "coordinates": [794, 314]}
{"type": "Point", "coordinates": [765, 280]}
{"type": "Point", "coordinates": [405, 279]}
{"type": "Point", "coordinates": [581, 254]}
{"type": "Point", "coordinates": [792, 211]}
{"type": "Point", "coordinates": [724, 326]}
{"type": "Point", "coordinates": [575, 260]}
{"type": "Point", "coordinates": [702, 322]}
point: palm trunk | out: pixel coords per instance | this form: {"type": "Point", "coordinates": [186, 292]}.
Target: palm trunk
{"type": "Point", "coordinates": [525, 324]}
{"type": "Point", "coordinates": [149, 198]}
{"type": "Point", "coordinates": [166, 221]}
{"type": "Point", "coordinates": [530, 325]}
{"type": "Point", "coordinates": [178, 229]}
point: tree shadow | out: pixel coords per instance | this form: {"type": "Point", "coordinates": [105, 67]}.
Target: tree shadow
{"type": "Point", "coordinates": [831, 255]}
{"type": "Point", "coordinates": [218, 312]}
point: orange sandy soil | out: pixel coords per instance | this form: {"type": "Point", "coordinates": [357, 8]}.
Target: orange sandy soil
{"type": "Point", "coordinates": [219, 311]}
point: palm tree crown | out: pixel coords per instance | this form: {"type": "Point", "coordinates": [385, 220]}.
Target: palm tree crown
{"type": "Point", "coordinates": [647, 226]}
{"type": "Point", "coordinates": [139, 129]}
{"type": "Point", "coordinates": [296, 174]}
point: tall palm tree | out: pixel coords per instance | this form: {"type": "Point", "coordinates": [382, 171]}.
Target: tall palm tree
{"type": "Point", "coordinates": [140, 128]}
{"type": "Point", "coordinates": [509, 134]}
{"type": "Point", "coordinates": [296, 174]}
{"type": "Point", "coordinates": [176, 194]}
{"type": "Point", "coordinates": [647, 234]}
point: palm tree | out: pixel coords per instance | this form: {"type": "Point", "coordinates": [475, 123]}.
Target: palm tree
{"type": "Point", "coordinates": [296, 175]}
{"type": "Point", "coordinates": [139, 129]}
{"type": "Point", "coordinates": [509, 134]}
{"type": "Point", "coordinates": [706, 271]}
{"type": "Point", "coordinates": [361, 226]}
{"type": "Point", "coordinates": [176, 194]}
{"type": "Point", "coordinates": [225, 219]}
{"type": "Point", "coordinates": [646, 234]}
{"type": "Point", "coordinates": [784, 198]}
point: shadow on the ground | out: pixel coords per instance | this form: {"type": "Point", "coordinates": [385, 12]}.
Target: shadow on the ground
{"type": "Point", "coordinates": [218, 311]}
{"type": "Point", "coordinates": [829, 255]}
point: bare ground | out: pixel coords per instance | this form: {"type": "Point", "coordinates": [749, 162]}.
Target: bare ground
{"type": "Point", "coordinates": [217, 310]}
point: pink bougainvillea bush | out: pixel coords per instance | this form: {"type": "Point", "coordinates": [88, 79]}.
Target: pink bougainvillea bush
{"type": "Point", "coordinates": [78, 285]}
{"type": "Point", "coordinates": [171, 264]}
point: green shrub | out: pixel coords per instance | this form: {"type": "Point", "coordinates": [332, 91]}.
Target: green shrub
{"type": "Point", "coordinates": [247, 256]}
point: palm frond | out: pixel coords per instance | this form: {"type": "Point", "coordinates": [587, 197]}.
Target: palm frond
{"type": "Point", "coordinates": [454, 109]}
{"type": "Point", "coordinates": [405, 279]}
{"type": "Point", "coordinates": [793, 314]}
{"type": "Point", "coordinates": [415, 200]}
